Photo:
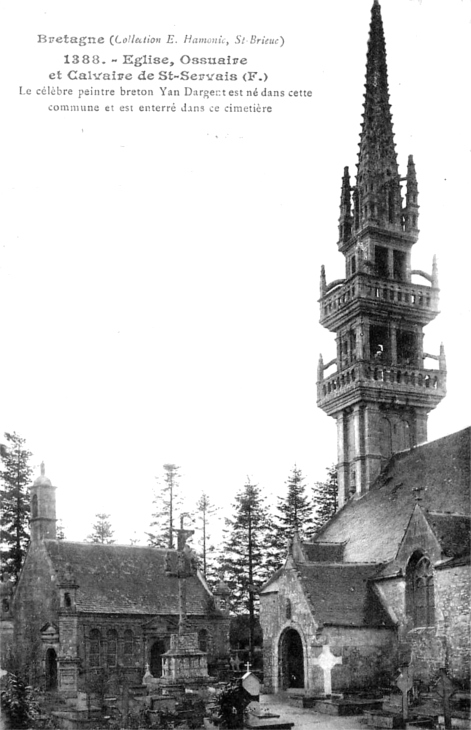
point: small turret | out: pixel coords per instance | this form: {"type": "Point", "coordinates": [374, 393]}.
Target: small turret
{"type": "Point", "coordinates": [43, 508]}
{"type": "Point", "coordinates": [411, 211]}
{"type": "Point", "coordinates": [345, 220]}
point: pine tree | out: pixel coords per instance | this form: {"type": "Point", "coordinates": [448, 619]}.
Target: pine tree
{"type": "Point", "coordinates": [167, 502]}
{"type": "Point", "coordinates": [205, 514]}
{"type": "Point", "coordinates": [325, 498]}
{"type": "Point", "coordinates": [102, 530]}
{"type": "Point", "coordinates": [294, 513]}
{"type": "Point", "coordinates": [15, 477]}
{"type": "Point", "coordinates": [245, 547]}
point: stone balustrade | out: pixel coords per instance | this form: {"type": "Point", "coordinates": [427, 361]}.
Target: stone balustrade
{"type": "Point", "coordinates": [364, 286]}
{"type": "Point", "coordinates": [365, 372]}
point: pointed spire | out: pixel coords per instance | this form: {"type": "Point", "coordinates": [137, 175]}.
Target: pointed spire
{"type": "Point", "coordinates": [378, 181]}
{"type": "Point", "coordinates": [320, 369]}
{"type": "Point", "coordinates": [442, 358]}
{"type": "Point", "coordinates": [323, 282]}
{"type": "Point", "coordinates": [434, 272]}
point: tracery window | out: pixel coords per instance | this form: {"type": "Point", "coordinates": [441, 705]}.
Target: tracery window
{"type": "Point", "coordinates": [95, 638]}
{"type": "Point", "coordinates": [112, 648]}
{"type": "Point", "coordinates": [420, 591]}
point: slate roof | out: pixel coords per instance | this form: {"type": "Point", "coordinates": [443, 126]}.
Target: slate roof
{"type": "Point", "coordinates": [123, 579]}
{"type": "Point", "coordinates": [453, 532]}
{"type": "Point", "coordinates": [373, 526]}
{"type": "Point", "coordinates": [342, 594]}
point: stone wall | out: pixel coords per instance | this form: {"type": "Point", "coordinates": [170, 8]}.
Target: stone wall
{"type": "Point", "coordinates": [453, 619]}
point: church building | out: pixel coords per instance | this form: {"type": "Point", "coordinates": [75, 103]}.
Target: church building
{"type": "Point", "coordinates": [86, 613]}
{"type": "Point", "coordinates": [386, 582]}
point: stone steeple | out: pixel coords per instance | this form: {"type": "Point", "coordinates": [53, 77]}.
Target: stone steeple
{"type": "Point", "coordinates": [380, 393]}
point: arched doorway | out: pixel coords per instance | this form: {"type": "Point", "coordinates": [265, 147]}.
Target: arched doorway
{"type": "Point", "coordinates": [51, 669]}
{"type": "Point", "coordinates": [158, 648]}
{"type": "Point", "coordinates": [292, 660]}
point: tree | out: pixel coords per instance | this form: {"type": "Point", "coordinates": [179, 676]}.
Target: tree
{"type": "Point", "coordinates": [294, 513]}
{"type": "Point", "coordinates": [166, 501]}
{"type": "Point", "coordinates": [205, 510]}
{"type": "Point", "coordinates": [246, 545]}
{"type": "Point", "coordinates": [102, 530]}
{"type": "Point", "coordinates": [15, 478]}
{"type": "Point", "coordinates": [325, 498]}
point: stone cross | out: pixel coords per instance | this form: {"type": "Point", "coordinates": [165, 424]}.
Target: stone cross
{"type": "Point", "coordinates": [404, 682]}
{"type": "Point", "coordinates": [327, 661]}
{"type": "Point", "coordinates": [235, 663]}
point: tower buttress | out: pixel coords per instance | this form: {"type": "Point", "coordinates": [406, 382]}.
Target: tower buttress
{"type": "Point", "coordinates": [381, 393]}
{"type": "Point", "coordinates": [43, 508]}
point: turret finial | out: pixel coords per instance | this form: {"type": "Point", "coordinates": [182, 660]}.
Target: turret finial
{"type": "Point", "coordinates": [323, 283]}
{"type": "Point", "coordinates": [43, 469]}
{"type": "Point", "coordinates": [434, 272]}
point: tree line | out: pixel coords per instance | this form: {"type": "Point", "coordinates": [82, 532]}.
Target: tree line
{"type": "Point", "coordinates": [254, 541]}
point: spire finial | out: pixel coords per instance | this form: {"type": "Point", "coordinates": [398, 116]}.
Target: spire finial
{"type": "Point", "coordinates": [43, 469]}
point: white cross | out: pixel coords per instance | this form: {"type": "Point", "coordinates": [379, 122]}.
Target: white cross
{"type": "Point", "coordinates": [327, 661]}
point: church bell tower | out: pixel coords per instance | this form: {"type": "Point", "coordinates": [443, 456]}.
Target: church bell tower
{"type": "Point", "coordinates": [381, 392]}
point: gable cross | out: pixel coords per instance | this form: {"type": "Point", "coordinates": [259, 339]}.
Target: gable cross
{"type": "Point", "coordinates": [327, 661]}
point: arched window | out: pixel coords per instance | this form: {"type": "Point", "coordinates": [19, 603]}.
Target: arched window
{"type": "Point", "coordinates": [420, 591]}
{"type": "Point", "coordinates": [34, 506]}
{"type": "Point", "coordinates": [67, 600]}
{"type": "Point", "coordinates": [128, 647]}
{"type": "Point", "coordinates": [112, 648]}
{"type": "Point", "coordinates": [95, 638]}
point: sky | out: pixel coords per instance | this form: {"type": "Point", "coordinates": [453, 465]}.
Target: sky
{"type": "Point", "coordinates": [159, 273]}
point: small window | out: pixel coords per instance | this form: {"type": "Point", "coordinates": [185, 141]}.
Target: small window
{"type": "Point", "coordinates": [67, 600]}
{"type": "Point", "coordinates": [34, 506]}
{"type": "Point", "coordinates": [289, 609]}
{"type": "Point", "coordinates": [203, 640]}
{"type": "Point", "coordinates": [354, 264]}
